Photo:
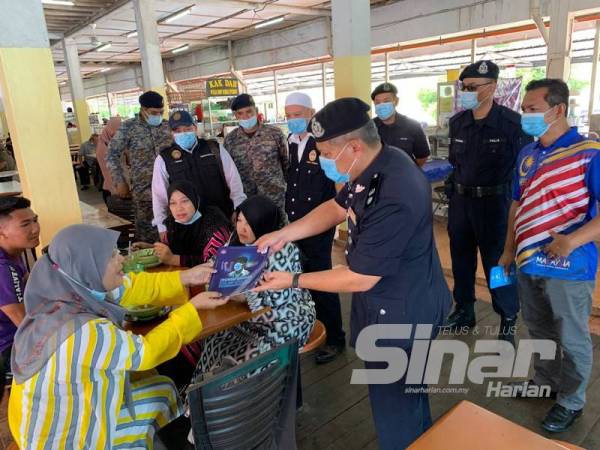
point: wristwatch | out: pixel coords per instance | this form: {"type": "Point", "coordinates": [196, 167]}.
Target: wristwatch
{"type": "Point", "coordinates": [295, 280]}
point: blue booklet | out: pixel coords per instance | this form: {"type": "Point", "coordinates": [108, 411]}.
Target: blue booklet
{"type": "Point", "coordinates": [238, 269]}
{"type": "Point", "coordinates": [499, 278]}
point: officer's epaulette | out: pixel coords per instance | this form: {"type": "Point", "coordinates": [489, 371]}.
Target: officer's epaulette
{"type": "Point", "coordinates": [511, 115]}
{"type": "Point", "coordinates": [456, 116]}
{"type": "Point", "coordinates": [373, 191]}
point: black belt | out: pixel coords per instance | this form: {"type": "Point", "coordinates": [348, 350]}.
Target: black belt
{"type": "Point", "coordinates": [481, 191]}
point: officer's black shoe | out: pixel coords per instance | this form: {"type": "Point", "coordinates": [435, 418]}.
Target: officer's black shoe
{"type": "Point", "coordinates": [560, 419]}
{"type": "Point", "coordinates": [328, 353]}
{"type": "Point", "coordinates": [461, 318]}
{"type": "Point", "coordinates": [508, 329]}
{"type": "Point", "coordinates": [84, 188]}
{"type": "Point", "coordinates": [521, 389]}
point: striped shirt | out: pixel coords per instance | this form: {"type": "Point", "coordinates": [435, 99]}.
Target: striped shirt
{"type": "Point", "coordinates": [76, 401]}
{"type": "Point", "coordinates": [557, 188]}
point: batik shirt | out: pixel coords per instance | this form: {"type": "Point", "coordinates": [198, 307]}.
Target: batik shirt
{"type": "Point", "coordinates": [557, 188]}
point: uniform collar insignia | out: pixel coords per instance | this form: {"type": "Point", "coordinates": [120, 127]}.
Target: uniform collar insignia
{"type": "Point", "coordinates": [359, 188]}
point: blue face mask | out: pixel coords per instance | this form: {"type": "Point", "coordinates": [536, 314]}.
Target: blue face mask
{"type": "Point", "coordinates": [194, 218]}
{"type": "Point", "coordinates": [384, 110]}
{"type": "Point", "coordinates": [185, 140]}
{"type": "Point", "coordinates": [297, 126]}
{"type": "Point", "coordinates": [248, 123]}
{"type": "Point", "coordinates": [468, 100]}
{"type": "Point", "coordinates": [534, 124]}
{"type": "Point", "coordinates": [113, 296]}
{"type": "Point", "coordinates": [331, 171]}
{"type": "Point", "coordinates": [237, 267]}
{"type": "Point", "coordinates": [154, 121]}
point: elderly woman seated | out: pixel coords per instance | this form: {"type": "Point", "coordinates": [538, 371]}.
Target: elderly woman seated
{"type": "Point", "coordinates": [292, 311]}
{"type": "Point", "coordinates": [80, 381]}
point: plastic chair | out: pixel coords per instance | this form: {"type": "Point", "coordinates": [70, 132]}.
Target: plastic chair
{"type": "Point", "coordinates": [317, 337]}
{"type": "Point", "coordinates": [251, 406]}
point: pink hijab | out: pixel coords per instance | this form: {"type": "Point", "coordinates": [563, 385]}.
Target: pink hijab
{"type": "Point", "coordinates": [107, 134]}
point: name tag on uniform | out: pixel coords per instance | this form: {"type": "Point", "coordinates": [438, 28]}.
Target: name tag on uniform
{"type": "Point", "coordinates": [495, 140]}
{"type": "Point", "coordinates": [460, 141]}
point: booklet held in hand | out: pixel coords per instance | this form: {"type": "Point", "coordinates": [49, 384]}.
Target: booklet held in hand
{"type": "Point", "coordinates": [238, 269]}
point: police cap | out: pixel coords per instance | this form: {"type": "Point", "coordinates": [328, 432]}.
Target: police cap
{"type": "Point", "coordinates": [338, 118]}
{"type": "Point", "coordinates": [180, 119]}
{"type": "Point", "coordinates": [242, 101]}
{"type": "Point", "coordinates": [384, 88]}
{"type": "Point", "coordinates": [480, 69]}
{"type": "Point", "coordinates": [151, 99]}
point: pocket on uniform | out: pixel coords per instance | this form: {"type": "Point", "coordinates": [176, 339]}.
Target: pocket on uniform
{"type": "Point", "coordinates": [389, 311]}
{"type": "Point", "coordinates": [494, 151]}
{"type": "Point", "coordinates": [407, 144]}
{"type": "Point", "coordinates": [385, 310]}
{"type": "Point", "coordinates": [459, 146]}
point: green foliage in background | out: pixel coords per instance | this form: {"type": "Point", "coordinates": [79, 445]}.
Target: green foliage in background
{"type": "Point", "coordinates": [428, 99]}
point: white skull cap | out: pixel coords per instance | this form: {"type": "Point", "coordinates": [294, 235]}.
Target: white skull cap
{"type": "Point", "coordinates": [298, 99]}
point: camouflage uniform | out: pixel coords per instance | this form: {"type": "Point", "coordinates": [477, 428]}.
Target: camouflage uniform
{"type": "Point", "coordinates": [262, 160]}
{"type": "Point", "coordinates": [143, 143]}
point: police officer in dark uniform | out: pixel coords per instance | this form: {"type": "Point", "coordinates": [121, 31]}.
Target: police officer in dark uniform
{"type": "Point", "coordinates": [394, 128]}
{"type": "Point", "coordinates": [485, 140]}
{"type": "Point", "coordinates": [307, 188]}
{"type": "Point", "coordinates": [203, 162]}
{"type": "Point", "coordinates": [393, 266]}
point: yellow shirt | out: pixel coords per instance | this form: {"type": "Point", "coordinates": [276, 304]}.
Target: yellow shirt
{"type": "Point", "coordinates": [75, 400]}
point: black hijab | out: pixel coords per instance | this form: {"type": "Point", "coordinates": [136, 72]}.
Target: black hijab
{"type": "Point", "coordinates": [262, 215]}
{"type": "Point", "coordinates": [191, 239]}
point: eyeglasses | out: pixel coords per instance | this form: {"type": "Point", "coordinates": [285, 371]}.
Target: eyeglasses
{"type": "Point", "coordinates": [472, 87]}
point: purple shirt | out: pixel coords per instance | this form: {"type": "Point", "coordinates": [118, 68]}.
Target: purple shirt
{"type": "Point", "coordinates": [12, 286]}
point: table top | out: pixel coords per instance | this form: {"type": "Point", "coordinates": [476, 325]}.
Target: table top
{"type": "Point", "coordinates": [470, 426]}
{"type": "Point", "coordinates": [213, 320]}
{"type": "Point", "coordinates": [92, 215]}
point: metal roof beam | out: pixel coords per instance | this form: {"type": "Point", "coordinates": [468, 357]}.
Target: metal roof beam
{"type": "Point", "coordinates": [271, 7]}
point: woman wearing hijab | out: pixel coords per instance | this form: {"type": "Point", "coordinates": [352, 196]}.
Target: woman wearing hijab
{"type": "Point", "coordinates": [194, 232]}
{"type": "Point", "coordinates": [292, 313]}
{"type": "Point", "coordinates": [108, 132]}
{"type": "Point", "coordinates": [72, 361]}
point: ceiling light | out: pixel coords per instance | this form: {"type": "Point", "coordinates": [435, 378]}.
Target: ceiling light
{"type": "Point", "coordinates": [131, 34]}
{"type": "Point", "coordinates": [106, 69]}
{"type": "Point", "coordinates": [269, 22]}
{"type": "Point", "coordinates": [59, 2]}
{"type": "Point", "coordinates": [103, 47]}
{"type": "Point", "coordinates": [183, 48]}
{"type": "Point", "coordinates": [176, 15]}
